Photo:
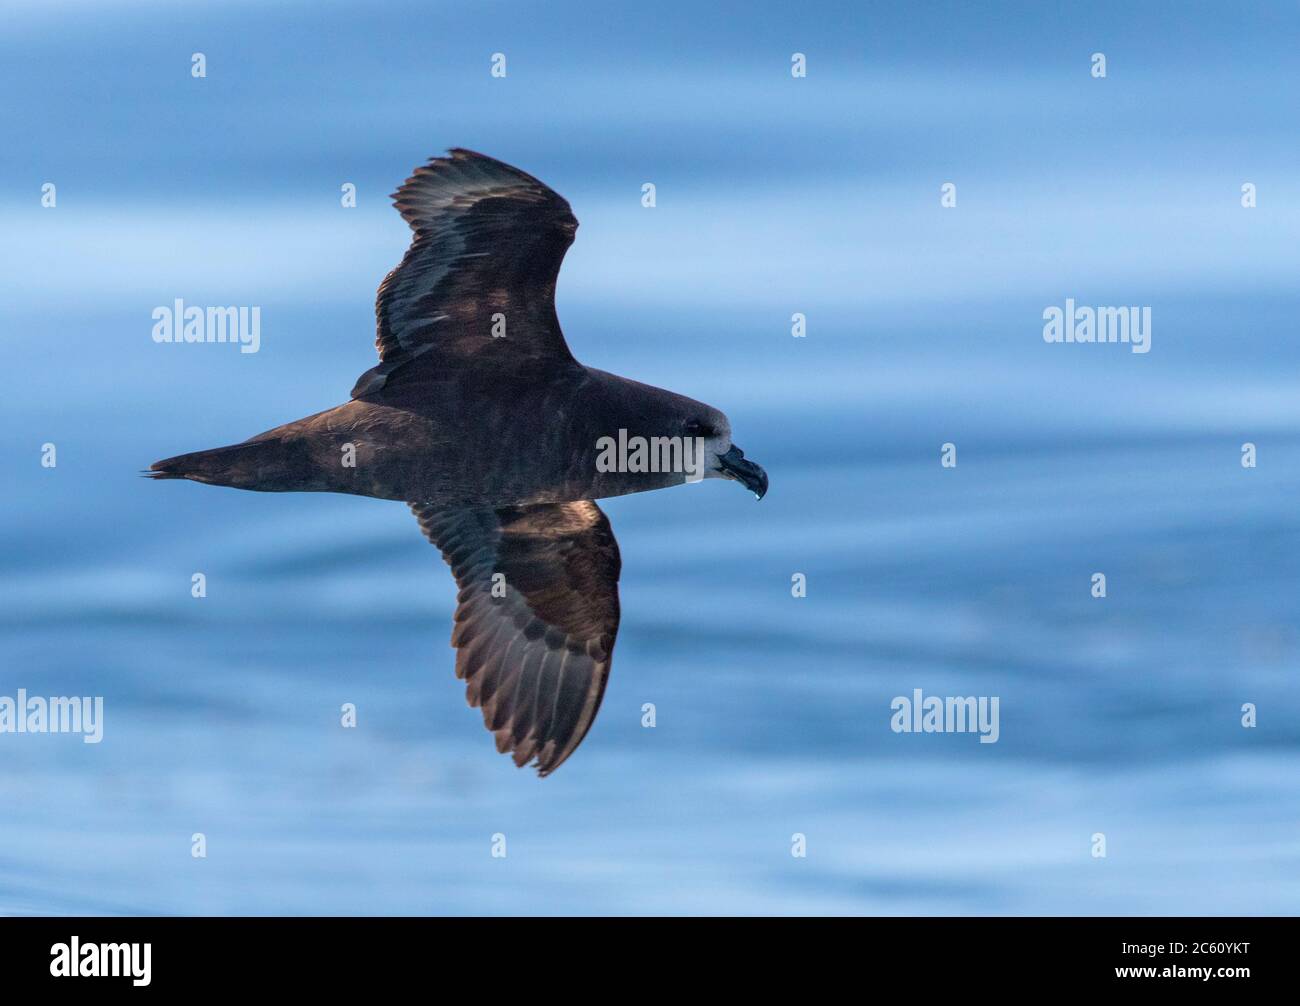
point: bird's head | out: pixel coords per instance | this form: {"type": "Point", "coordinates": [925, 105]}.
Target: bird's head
{"type": "Point", "coordinates": [650, 438]}
{"type": "Point", "coordinates": [722, 458]}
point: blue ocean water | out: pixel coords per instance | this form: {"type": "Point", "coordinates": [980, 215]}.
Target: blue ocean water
{"type": "Point", "coordinates": [1120, 716]}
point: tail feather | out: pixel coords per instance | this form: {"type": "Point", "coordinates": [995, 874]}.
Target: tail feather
{"type": "Point", "coordinates": [256, 464]}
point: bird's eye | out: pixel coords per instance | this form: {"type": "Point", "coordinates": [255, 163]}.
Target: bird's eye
{"type": "Point", "coordinates": [695, 428]}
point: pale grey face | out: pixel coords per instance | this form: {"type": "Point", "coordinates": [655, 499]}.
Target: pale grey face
{"type": "Point", "coordinates": [722, 458]}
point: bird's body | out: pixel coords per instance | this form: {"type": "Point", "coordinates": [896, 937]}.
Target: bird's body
{"type": "Point", "coordinates": [479, 418]}
{"type": "Point", "coordinates": [431, 443]}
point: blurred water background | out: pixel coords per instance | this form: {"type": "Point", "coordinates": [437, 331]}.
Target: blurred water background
{"type": "Point", "coordinates": [775, 195]}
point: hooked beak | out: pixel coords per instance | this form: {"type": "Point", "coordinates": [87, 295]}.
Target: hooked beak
{"type": "Point", "coordinates": [734, 466]}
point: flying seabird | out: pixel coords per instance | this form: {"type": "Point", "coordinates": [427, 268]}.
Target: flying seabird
{"type": "Point", "coordinates": [479, 418]}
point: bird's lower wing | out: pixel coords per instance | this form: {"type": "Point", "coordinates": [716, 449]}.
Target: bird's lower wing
{"type": "Point", "coordinates": [536, 618]}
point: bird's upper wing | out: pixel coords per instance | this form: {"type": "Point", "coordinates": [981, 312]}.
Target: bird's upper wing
{"type": "Point", "coordinates": [537, 658]}
{"type": "Point", "coordinates": [489, 240]}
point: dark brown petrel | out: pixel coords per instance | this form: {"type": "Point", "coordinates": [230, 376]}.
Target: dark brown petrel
{"type": "Point", "coordinates": [480, 418]}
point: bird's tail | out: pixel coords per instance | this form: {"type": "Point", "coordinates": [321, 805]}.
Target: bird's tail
{"type": "Point", "coordinates": [254, 464]}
